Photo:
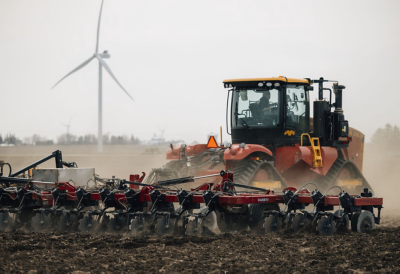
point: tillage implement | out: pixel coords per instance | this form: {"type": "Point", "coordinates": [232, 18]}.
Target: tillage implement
{"type": "Point", "coordinates": [42, 202]}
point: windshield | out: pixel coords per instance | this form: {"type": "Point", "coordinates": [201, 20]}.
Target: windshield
{"type": "Point", "coordinates": [256, 107]}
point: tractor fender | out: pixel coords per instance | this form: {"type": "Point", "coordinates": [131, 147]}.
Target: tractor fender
{"type": "Point", "coordinates": [329, 156]}
{"type": "Point", "coordinates": [287, 157]}
{"type": "Point", "coordinates": [235, 152]}
{"type": "Point", "coordinates": [192, 150]}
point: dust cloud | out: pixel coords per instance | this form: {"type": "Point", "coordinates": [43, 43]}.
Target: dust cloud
{"type": "Point", "coordinates": [116, 160]}
{"type": "Point", "coordinates": [381, 169]}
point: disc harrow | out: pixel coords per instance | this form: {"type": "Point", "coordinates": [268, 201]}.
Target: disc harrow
{"type": "Point", "coordinates": [139, 209]}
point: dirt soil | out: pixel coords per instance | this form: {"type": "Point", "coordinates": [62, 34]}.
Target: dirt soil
{"type": "Point", "coordinates": [27, 252]}
{"type": "Point", "coordinates": [347, 252]}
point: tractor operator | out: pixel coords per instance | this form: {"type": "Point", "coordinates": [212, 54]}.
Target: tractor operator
{"type": "Point", "coordinates": [263, 103]}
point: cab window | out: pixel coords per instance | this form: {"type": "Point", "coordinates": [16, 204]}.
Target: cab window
{"type": "Point", "coordinates": [256, 108]}
{"type": "Point", "coordinates": [297, 108]}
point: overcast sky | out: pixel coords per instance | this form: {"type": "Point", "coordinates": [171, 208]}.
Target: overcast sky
{"type": "Point", "coordinates": [172, 57]}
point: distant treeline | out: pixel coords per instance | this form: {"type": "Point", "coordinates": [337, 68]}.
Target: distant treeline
{"type": "Point", "coordinates": [387, 138]}
{"type": "Point", "coordinates": [10, 139]}
{"type": "Point", "coordinates": [68, 139]}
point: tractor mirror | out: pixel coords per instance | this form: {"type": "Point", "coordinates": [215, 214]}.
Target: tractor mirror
{"type": "Point", "coordinates": [309, 88]}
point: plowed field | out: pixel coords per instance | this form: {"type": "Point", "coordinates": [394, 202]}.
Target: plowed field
{"type": "Point", "coordinates": [347, 252]}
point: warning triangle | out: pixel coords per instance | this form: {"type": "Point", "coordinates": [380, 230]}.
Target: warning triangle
{"type": "Point", "coordinates": [212, 143]}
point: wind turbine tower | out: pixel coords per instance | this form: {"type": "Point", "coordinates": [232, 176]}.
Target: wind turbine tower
{"type": "Point", "coordinates": [102, 63]}
{"type": "Point", "coordinates": [68, 126]}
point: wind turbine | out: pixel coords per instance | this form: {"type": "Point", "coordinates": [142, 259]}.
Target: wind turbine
{"type": "Point", "coordinates": [162, 131]}
{"type": "Point", "coordinates": [102, 63]}
{"type": "Point", "coordinates": [68, 126]}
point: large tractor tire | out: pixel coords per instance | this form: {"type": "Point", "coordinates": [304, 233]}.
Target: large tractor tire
{"type": "Point", "coordinates": [344, 175]}
{"type": "Point", "coordinates": [258, 173]}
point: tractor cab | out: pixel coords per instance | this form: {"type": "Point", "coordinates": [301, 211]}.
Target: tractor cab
{"type": "Point", "coordinates": [275, 112]}
{"type": "Point", "coordinates": [269, 111]}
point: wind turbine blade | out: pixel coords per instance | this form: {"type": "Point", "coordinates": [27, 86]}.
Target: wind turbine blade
{"type": "Point", "coordinates": [111, 74]}
{"type": "Point", "coordinates": [98, 27]}
{"type": "Point", "coordinates": [71, 119]}
{"type": "Point", "coordinates": [78, 68]}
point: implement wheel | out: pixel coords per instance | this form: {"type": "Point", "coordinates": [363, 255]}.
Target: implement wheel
{"type": "Point", "coordinates": [272, 224]}
{"type": "Point", "coordinates": [365, 222]}
{"type": "Point", "coordinates": [324, 227]}
{"type": "Point", "coordinates": [256, 215]}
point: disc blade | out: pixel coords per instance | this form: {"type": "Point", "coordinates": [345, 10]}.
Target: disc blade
{"type": "Point", "coordinates": [210, 221]}
{"type": "Point", "coordinates": [41, 223]}
{"type": "Point", "coordinates": [138, 227]}
{"type": "Point", "coordinates": [89, 225]}
{"type": "Point", "coordinates": [76, 69]}
{"type": "Point", "coordinates": [6, 222]}
{"type": "Point", "coordinates": [298, 224]}
{"type": "Point", "coordinates": [271, 225]}
{"type": "Point", "coordinates": [103, 63]}
{"type": "Point", "coordinates": [193, 230]}
{"type": "Point", "coordinates": [67, 222]}
{"type": "Point", "coordinates": [344, 223]}
{"type": "Point", "coordinates": [118, 224]}
{"type": "Point", "coordinates": [165, 226]}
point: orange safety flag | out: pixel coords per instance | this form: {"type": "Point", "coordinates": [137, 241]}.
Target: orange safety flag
{"type": "Point", "coordinates": [212, 143]}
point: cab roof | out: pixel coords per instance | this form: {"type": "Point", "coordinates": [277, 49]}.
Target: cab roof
{"type": "Point", "coordinates": [280, 78]}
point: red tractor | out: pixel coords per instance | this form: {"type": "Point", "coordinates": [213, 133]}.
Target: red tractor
{"type": "Point", "coordinates": [275, 142]}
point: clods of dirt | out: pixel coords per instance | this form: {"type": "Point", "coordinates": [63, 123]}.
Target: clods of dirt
{"type": "Point", "coordinates": [347, 252]}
